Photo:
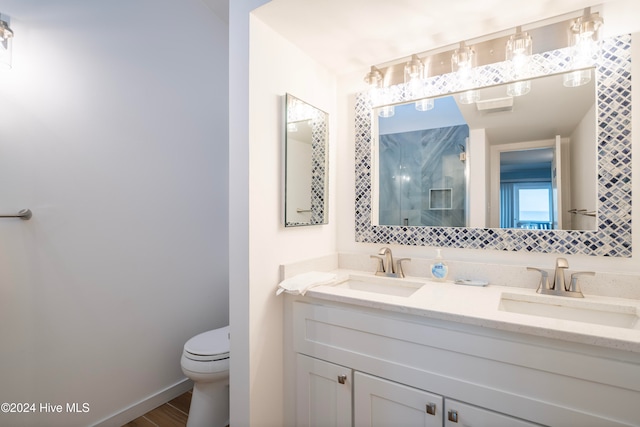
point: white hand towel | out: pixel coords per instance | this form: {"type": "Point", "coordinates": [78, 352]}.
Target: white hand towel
{"type": "Point", "coordinates": [300, 283]}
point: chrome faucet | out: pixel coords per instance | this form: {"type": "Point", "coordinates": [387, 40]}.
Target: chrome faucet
{"type": "Point", "coordinates": [386, 266]}
{"type": "Point", "coordinates": [558, 280]}
{"type": "Point", "coordinates": [559, 286]}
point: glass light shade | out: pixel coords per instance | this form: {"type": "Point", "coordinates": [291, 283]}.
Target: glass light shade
{"type": "Point", "coordinates": [6, 40]}
{"type": "Point", "coordinates": [463, 63]}
{"type": "Point", "coordinates": [519, 48]}
{"type": "Point", "coordinates": [463, 58]}
{"type": "Point", "coordinates": [518, 53]}
{"type": "Point", "coordinates": [374, 80]}
{"type": "Point", "coordinates": [584, 37]}
{"type": "Point", "coordinates": [519, 88]}
{"type": "Point", "coordinates": [469, 97]}
{"type": "Point", "coordinates": [424, 104]}
{"type": "Point", "coordinates": [577, 78]}
{"type": "Point", "coordinates": [386, 111]}
{"type": "Point", "coordinates": [414, 78]}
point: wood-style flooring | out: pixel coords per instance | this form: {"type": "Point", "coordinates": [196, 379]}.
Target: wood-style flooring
{"type": "Point", "coordinates": [172, 414]}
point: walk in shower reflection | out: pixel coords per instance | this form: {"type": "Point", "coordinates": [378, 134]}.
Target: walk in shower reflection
{"type": "Point", "coordinates": [422, 179]}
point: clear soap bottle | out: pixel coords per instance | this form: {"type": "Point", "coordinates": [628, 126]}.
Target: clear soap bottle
{"type": "Point", "coordinates": [439, 269]}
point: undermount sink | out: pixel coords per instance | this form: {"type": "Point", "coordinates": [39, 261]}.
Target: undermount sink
{"type": "Point", "coordinates": [381, 285]}
{"type": "Point", "coordinates": [557, 307]}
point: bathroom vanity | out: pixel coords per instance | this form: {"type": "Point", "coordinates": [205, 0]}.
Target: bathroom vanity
{"type": "Point", "coordinates": [412, 352]}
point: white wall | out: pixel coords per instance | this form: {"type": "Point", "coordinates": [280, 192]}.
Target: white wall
{"type": "Point", "coordinates": [113, 131]}
{"type": "Point", "coordinates": [263, 67]}
{"type": "Point", "coordinates": [298, 179]}
{"type": "Point", "coordinates": [277, 67]}
{"type": "Point", "coordinates": [477, 167]}
{"type": "Point", "coordinates": [617, 15]}
{"type": "Point", "coordinates": [583, 176]}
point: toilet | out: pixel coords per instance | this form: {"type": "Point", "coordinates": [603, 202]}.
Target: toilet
{"type": "Point", "coordinates": [205, 360]}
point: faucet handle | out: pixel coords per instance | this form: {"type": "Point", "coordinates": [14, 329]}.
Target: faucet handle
{"type": "Point", "coordinates": [544, 279]}
{"type": "Point", "coordinates": [574, 286]}
{"type": "Point", "coordinates": [379, 264]}
{"type": "Point", "coordinates": [399, 270]}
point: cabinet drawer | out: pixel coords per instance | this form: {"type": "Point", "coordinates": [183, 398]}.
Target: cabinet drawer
{"type": "Point", "coordinates": [458, 414]}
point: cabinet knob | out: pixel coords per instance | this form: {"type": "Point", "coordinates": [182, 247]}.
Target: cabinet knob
{"type": "Point", "coordinates": [431, 408]}
{"type": "Point", "coordinates": [342, 378]}
{"type": "Point", "coordinates": [453, 416]}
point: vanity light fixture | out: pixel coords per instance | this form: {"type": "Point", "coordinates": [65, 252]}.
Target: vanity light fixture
{"type": "Point", "coordinates": [584, 37]}
{"type": "Point", "coordinates": [6, 38]}
{"type": "Point", "coordinates": [463, 63]}
{"type": "Point", "coordinates": [518, 52]}
{"type": "Point", "coordinates": [463, 60]}
{"type": "Point", "coordinates": [378, 92]}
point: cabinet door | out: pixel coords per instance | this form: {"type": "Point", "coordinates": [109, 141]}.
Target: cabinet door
{"type": "Point", "coordinates": [379, 403]}
{"type": "Point", "coordinates": [323, 393]}
{"type": "Point", "coordinates": [459, 414]}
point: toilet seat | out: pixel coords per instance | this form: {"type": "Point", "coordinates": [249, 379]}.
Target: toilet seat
{"type": "Point", "coordinates": [208, 346]}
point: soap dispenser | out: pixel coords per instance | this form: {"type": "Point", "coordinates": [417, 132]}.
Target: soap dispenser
{"type": "Point", "coordinates": [439, 269]}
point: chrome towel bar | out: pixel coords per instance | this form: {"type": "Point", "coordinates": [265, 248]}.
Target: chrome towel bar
{"type": "Point", "coordinates": [24, 214]}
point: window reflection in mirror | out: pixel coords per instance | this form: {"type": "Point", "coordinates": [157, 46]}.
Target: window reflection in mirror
{"type": "Point", "coordinates": [449, 166]}
{"type": "Point", "coordinates": [526, 189]}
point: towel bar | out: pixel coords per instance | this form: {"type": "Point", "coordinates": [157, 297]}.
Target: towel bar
{"type": "Point", "coordinates": [24, 214]}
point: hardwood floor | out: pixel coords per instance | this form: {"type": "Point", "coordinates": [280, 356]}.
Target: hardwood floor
{"type": "Point", "coordinates": [172, 414]}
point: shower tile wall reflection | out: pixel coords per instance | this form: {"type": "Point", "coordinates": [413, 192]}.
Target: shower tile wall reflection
{"type": "Point", "coordinates": [422, 177]}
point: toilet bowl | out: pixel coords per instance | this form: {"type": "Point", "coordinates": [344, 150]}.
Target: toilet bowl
{"type": "Point", "coordinates": [205, 360]}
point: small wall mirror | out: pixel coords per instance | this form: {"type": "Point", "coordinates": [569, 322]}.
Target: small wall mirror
{"type": "Point", "coordinates": [306, 147]}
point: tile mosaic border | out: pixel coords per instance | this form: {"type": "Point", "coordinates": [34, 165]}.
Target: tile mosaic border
{"type": "Point", "coordinates": [612, 237]}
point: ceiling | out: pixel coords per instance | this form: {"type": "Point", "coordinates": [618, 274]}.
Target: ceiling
{"type": "Point", "coordinates": [549, 109]}
{"type": "Point", "coordinates": [351, 35]}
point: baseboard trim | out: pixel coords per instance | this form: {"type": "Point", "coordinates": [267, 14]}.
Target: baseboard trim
{"type": "Point", "coordinates": [145, 405]}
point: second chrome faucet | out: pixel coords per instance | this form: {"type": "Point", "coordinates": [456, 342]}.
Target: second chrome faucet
{"type": "Point", "coordinates": [559, 286]}
{"type": "Point", "coordinates": [386, 265]}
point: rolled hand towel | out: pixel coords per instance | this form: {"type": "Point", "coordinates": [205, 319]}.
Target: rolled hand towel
{"type": "Point", "coordinates": [300, 283]}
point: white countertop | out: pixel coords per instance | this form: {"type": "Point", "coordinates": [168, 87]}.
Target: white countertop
{"type": "Point", "coordinates": [477, 305]}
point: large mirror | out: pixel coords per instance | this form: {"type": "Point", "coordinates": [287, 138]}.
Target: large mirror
{"type": "Point", "coordinates": [611, 234]}
{"type": "Point", "coordinates": [501, 162]}
{"type": "Point", "coordinates": [306, 145]}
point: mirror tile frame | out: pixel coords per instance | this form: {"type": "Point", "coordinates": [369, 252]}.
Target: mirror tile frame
{"type": "Point", "coordinates": [612, 236]}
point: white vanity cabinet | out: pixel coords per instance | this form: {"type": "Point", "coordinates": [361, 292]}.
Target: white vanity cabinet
{"type": "Point", "coordinates": [400, 367]}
